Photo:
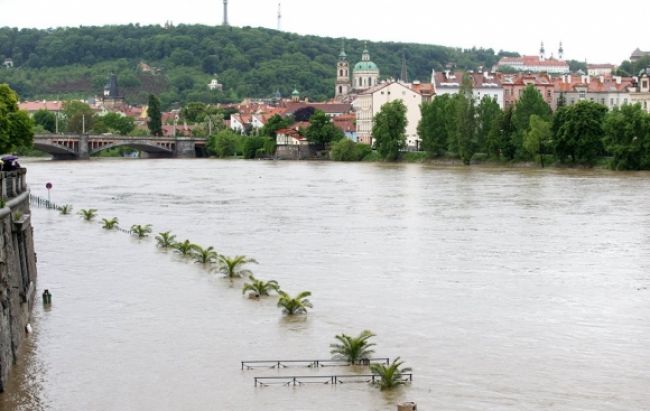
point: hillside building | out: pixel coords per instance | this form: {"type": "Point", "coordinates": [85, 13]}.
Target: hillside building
{"type": "Point", "coordinates": [369, 102]}
{"type": "Point", "coordinates": [640, 92]}
{"type": "Point", "coordinates": [483, 84]}
{"type": "Point", "coordinates": [610, 91]}
{"type": "Point", "coordinates": [536, 64]}
{"type": "Point", "coordinates": [111, 100]}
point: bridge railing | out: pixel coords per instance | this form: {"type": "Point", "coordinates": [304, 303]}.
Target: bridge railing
{"type": "Point", "coordinates": [13, 183]}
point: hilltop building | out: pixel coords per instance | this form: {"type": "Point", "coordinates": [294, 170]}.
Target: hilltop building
{"type": "Point", "coordinates": [214, 85]}
{"type": "Point", "coordinates": [536, 64]}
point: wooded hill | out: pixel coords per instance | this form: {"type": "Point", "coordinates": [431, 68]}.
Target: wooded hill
{"type": "Point", "coordinates": [249, 62]}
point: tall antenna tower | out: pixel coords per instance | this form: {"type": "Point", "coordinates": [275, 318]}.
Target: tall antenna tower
{"type": "Point", "coordinates": [225, 12]}
{"type": "Point", "coordinates": [279, 16]}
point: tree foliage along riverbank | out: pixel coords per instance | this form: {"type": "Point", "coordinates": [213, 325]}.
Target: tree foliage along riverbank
{"type": "Point", "coordinates": [181, 60]}
{"type": "Point", "coordinates": [583, 133]}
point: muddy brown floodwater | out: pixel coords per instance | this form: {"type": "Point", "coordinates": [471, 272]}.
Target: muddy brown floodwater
{"type": "Point", "coordinates": [502, 288]}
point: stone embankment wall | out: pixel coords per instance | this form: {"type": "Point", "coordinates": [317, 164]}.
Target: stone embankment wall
{"type": "Point", "coordinates": [17, 268]}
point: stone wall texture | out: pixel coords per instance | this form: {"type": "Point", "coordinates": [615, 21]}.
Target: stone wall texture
{"type": "Point", "coordinates": [17, 269]}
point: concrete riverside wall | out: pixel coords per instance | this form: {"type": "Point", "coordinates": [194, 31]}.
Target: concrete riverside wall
{"type": "Point", "coordinates": [17, 268]}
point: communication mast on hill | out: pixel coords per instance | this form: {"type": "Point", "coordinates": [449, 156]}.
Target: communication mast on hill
{"type": "Point", "coordinates": [279, 16]}
{"type": "Point", "coordinates": [225, 12]}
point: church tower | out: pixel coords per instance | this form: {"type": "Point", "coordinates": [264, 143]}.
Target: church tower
{"type": "Point", "coordinates": [365, 73]}
{"type": "Point", "coordinates": [542, 52]}
{"type": "Point", "coordinates": [343, 85]}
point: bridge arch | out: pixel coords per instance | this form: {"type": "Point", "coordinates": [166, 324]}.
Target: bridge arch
{"type": "Point", "coordinates": [56, 150]}
{"type": "Point", "coordinates": [149, 148]}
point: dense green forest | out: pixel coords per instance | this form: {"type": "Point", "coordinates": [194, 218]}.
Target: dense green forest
{"type": "Point", "coordinates": [249, 62]}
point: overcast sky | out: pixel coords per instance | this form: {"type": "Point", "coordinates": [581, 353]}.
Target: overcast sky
{"type": "Point", "coordinates": [599, 32]}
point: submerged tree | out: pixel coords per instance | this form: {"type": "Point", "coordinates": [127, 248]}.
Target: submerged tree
{"type": "Point", "coordinates": [165, 239]}
{"type": "Point", "coordinates": [204, 255]}
{"type": "Point", "coordinates": [88, 214]}
{"type": "Point", "coordinates": [260, 288]}
{"type": "Point", "coordinates": [185, 248]}
{"type": "Point", "coordinates": [232, 267]}
{"type": "Point", "coordinates": [65, 209]}
{"type": "Point", "coordinates": [294, 305]}
{"type": "Point", "coordinates": [109, 224]}
{"type": "Point", "coordinates": [353, 349]}
{"type": "Point", "coordinates": [141, 231]}
{"type": "Point", "coordinates": [390, 376]}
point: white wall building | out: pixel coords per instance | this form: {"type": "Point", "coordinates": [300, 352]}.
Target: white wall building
{"type": "Point", "coordinates": [610, 91]}
{"type": "Point", "coordinates": [483, 84]}
{"type": "Point", "coordinates": [368, 104]}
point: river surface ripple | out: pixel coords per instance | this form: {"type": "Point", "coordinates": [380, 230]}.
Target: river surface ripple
{"type": "Point", "coordinates": [502, 288]}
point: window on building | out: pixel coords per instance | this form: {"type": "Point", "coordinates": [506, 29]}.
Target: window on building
{"type": "Point", "coordinates": [644, 84]}
{"type": "Point", "coordinates": [624, 101]}
{"type": "Point", "coordinates": [340, 73]}
{"type": "Point", "coordinates": [340, 89]}
{"type": "Point", "coordinates": [611, 102]}
{"type": "Point", "coordinates": [549, 93]}
{"type": "Point", "coordinates": [602, 101]}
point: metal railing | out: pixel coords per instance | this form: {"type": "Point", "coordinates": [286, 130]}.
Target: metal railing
{"type": "Point", "coordinates": [249, 365]}
{"type": "Point", "coordinates": [41, 202]}
{"type": "Point", "coordinates": [297, 380]}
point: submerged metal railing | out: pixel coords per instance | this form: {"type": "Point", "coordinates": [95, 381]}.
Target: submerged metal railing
{"type": "Point", "coordinates": [249, 365]}
{"type": "Point", "coordinates": [42, 202]}
{"type": "Point", "coordinates": [296, 380]}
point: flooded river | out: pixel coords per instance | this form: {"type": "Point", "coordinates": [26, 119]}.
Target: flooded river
{"type": "Point", "coordinates": [503, 289]}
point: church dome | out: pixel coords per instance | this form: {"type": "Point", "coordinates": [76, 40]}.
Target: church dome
{"type": "Point", "coordinates": [366, 66]}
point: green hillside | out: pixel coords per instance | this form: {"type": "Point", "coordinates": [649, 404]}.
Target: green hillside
{"type": "Point", "coordinates": [249, 62]}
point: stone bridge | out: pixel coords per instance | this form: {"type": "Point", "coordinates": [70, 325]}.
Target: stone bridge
{"type": "Point", "coordinates": [82, 146]}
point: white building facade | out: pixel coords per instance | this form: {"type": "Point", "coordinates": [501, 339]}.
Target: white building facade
{"type": "Point", "coordinates": [483, 84]}
{"type": "Point", "coordinates": [368, 104]}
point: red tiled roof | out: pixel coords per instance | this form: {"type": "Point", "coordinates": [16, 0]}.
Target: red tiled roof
{"type": "Point", "coordinates": [532, 61]}
{"type": "Point", "coordinates": [593, 84]}
{"type": "Point", "coordinates": [32, 106]}
{"type": "Point", "coordinates": [290, 132]}
{"type": "Point", "coordinates": [478, 79]}
{"type": "Point", "coordinates": [327, 108]}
